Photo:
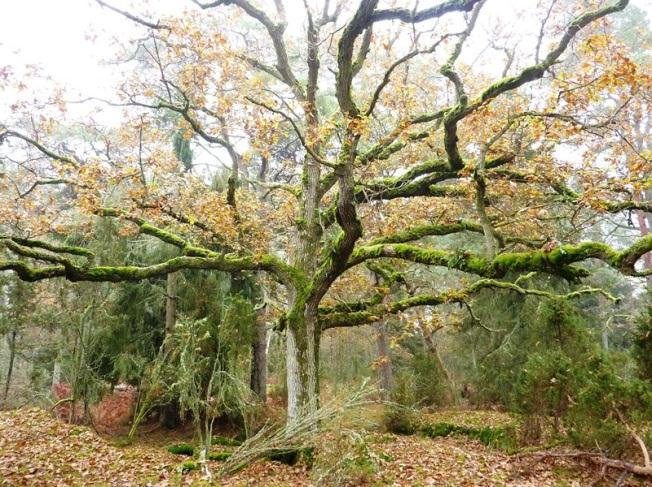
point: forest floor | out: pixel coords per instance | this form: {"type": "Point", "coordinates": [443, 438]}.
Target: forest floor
{"type": "Point", "coordinates": [39, 450]}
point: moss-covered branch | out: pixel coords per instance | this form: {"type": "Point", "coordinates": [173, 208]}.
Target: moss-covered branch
{"type": "Point", "coordinates": [557, 261]}
{"type": "Point", "coordinates": [59, 249]}
{"type": "Point", "coordinates": [388, 146]}
{"type": "Point", "coordinates": [422, 231]}
{"type": "Point", "coordinates": [74, 272]}
{"type": "Point", "coordinates": [34, 252]}
{"type": "Point", "coordinates": [413, 16]}
{"type": "Point", "coordinates": [367, 312]}
{"type": "Point", "coordinates": [28, 273]}
{"type": "Point", "coordinates": [419, 232]}
{"type": "Point", "coordinates": [420, 180]}
{"type": "Point", "coordinates": [376, 299]}
{"type": "Point", "coordinates": [163, 235]}
{"type": "Point", "coordinates": [194, 257]}
{"type": "Point", "coordinates": [387, 273]}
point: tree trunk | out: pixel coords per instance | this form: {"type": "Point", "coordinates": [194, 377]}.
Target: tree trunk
{"type": "Point", "coordinates": [170, 412]}
{"type": "Point", "coordinates": [645, 227]}
{"type": "Point", "coordinates": [11, 341]}
{"type": "Point", "coordinates": [259, 361]}
{"type": "Point", "coordinates": [385, 373]}
{"type": "Point", "coordinates": [302, 365]}
{"type": "Point", "coordinates": [56, 372]}
{"type": "Point", "coordinates": [171, 302]}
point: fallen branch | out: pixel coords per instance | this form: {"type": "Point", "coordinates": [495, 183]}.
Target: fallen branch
{"type": "Point", "coordinates": [596, 458]}
{"type": "Point", "coordinates": [638, 439]}
{"type": "Point", "coordinates": [60, 402]}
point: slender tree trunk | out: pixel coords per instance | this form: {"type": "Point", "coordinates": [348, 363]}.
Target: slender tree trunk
{"type": "Point", "coordinates": [170, 411]}
{"type": "Point", "coordinates": [11, 341]}
{"type": "Point", "coordinates": [171, 302]}
{"type": "Point", "coordinates": [645, 225]}
{"type": "Point", "coordinates": [56, 372]}
{"type": "Point", "coordinates": [385, 373]}
{"type": "Point", "coordinates": [259, 361]}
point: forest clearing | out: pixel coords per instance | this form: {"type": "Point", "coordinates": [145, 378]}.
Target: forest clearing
{"type": "Point", "coordinates": [326, 242]}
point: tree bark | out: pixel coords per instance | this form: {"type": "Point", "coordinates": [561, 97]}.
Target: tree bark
{"type": "Point", "coordinates": [171, 302]}
{"type": "Point", "coordinates": [645, 225]}
{"type": "Point", "coordinates": [11, 342]}
{"type": "Point", "coordinates": [56, 372]}
{"type": "Point", "coordinates": [259, 361]}
{"type": "Point", "coordinates": [302, 358]}
{"type": "Point", "coordinates": [385, 372]}
{"type": "Point", "coordinates": [170, 412]}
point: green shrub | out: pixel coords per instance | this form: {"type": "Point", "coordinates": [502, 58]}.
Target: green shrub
{"type": "Point", "coordinates": [292, 456]}
{"type": "Point", "coordinates": [602, 401]}
{"type": "Point", "coordinates": [643, 344]}
{"type": "Point", "coordinates": [188, 466]}
{"type": "Point", "coordinates": [181, 449]}
{"type": "Point", "coordinates": [224, 441]}
{"type": "Point", "coordinates": [219, 456]}
{"type": "Point", "coordinates": [503, 437]}
{"type": "Point", "coordinates": [588, 399]}
{"type": "Point", "coordinates": [545, 384]}
{"type": "Point", "coordinates": [347, 460]}
{"type": "Point", "coordinates": [400, 420]}
{"type": "Point", "coordinates": [432, 386]}
{"type": "Point", "coordinates": [532, 327]}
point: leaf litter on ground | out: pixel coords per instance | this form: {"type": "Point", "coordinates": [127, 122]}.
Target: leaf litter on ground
{"type": "Point", "coordinates": [37, 449]}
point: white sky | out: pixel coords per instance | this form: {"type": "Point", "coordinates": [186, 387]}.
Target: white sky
{"type": "Point", "coordinates": [53, 34]}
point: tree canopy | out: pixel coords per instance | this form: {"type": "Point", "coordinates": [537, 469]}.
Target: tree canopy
{"type": "Point", "coordinates": [352, 138]}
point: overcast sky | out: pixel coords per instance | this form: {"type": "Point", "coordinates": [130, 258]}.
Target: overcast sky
{"type": "Point", "coordinates": [53, 34]}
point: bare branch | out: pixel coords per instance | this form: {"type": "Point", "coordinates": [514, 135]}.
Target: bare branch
{"type": "Point", "coordinates": [35, 143]}
{"type": "Point", "coordinates": [301, 137]}
{"type": "Point", "coordinates": [134, 18]}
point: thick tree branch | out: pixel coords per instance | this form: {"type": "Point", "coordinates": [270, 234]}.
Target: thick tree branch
{"type": "Point", "coordinates": [194, 257]}
{"type": "Point", "coordinates": [41, 244]}
{"type": "Point", "coordinates": [412, 17]}
{"type": "Point", "coordinates": [451, 118]}
{"type": "Point", "coordinates": [557, 261]}
{"type": "Point", "coordinates": [368, 312]}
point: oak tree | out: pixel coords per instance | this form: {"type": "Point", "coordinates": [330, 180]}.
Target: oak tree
{"type": "Point", "coordinates": [355, 136]}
